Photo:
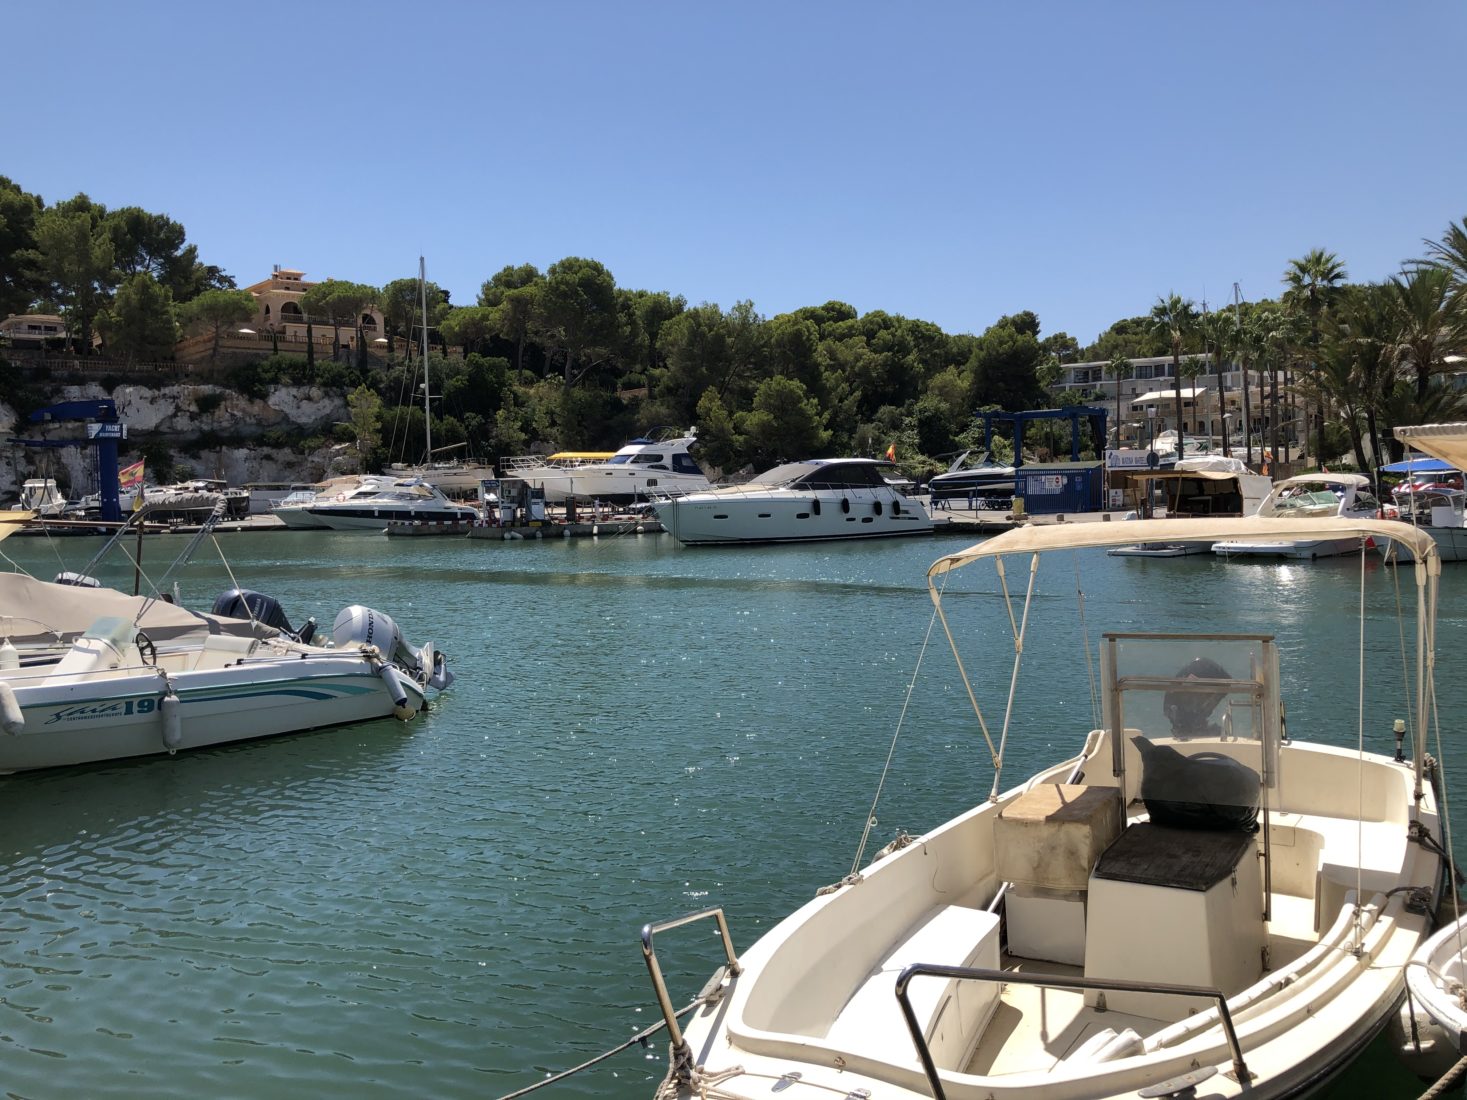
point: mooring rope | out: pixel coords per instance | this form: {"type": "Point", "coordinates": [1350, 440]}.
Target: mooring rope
{"type": "Point", "coordinates": [640, 1037]}
{"type": "Point", "coordinates": [1448, 1081]}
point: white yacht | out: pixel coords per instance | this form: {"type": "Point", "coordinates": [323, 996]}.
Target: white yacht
{"type": "Point", "coordinates": [1308, 496]}
{"type": "Point", "coordinates": [294, 510]}
{"type": "Point", "coordinates": [1196, 903]}
{"type": "Point", "coordinates": [824, 498]}
{"type": "Point", "coordinates": [409, 500]}
{"type": "Point", "coordinates": [40, 495]}
{"type": "Point", "coordinates": [642, 470]}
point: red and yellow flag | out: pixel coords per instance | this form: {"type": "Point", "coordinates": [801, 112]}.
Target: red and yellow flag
{"type": "Point", "coordinates": [129, 476]}
{"type": "Point", "coordinates": [891, 453]}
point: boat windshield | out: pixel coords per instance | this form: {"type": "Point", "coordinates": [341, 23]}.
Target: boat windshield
{"type": "Point", "coordinates": [114, 631]}
{"type": "Point", "coordinates": [823, 475]}
{"type": "Point", "coordinates": [1194, 721]}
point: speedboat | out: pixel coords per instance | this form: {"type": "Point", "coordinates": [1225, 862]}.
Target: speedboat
{"type": "Point", "coordinates": [988, 484]}
{"type": "Point", "coordinates": [119, 690]}
{"type": "Point", "coordinates": [824, 498]}
{"type": "Point", "coordinates": [40, 495]}
{"type": "Point", "coordinates": [643, 469]}
{"type": "Point", "coordinates": [410, 500]}
{"type": "Point", "coordinates": [294, 510]}
{"type": "Point", "coordinates": [1196, 900]}
{"type": "Point", "coordinates": [1206, 485]}
{"type": "Point", "coordinates": [1308, 496]}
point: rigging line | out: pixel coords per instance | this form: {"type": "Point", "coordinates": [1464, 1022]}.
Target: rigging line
{"type": "Point", "coordinates": [1085, 640]}
{"type": "Point", "coordinates": [896, 735]}
{"type": "Point", "coordinates": [1360, 752]}
{"type": "Point", "coordinates": [1003, 737]}
{"type": "Point", "coordinates": [962, 670]}
{"type": "Point", "coordinates": [1401, 632]}
{"type": "Point", "coordinates": [639, 1037]}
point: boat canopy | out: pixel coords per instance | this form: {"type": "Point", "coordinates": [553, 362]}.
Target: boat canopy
{"type": "Point", "coordinates": [1419, 466]}
{"type": "Point", "coordinates": [1038, 538]}
{"type": "Point", "coordinates": [38, 611]}
{"type": "Point", "coordinates": [1177, 475]}
{"type": "Point", "coordinates": [1447, 442]}
{"type": "Point", "coordinates": [1324, 477]}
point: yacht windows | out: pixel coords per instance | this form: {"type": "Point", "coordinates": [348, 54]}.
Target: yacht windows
{"type": "Point", "coordinates": [684, 464]}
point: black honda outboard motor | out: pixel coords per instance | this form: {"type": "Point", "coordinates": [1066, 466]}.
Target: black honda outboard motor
{"type": "Point", "coordinates": [242, 603]}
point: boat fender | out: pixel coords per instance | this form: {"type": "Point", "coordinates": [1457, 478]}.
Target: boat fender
{"type": "Point", "coordinates": [845, 504]}
{"type": "Point", "coordinates": [393, 679]}
{"type": "Point", "coordinates": [9, 655]}
{"type": "Point", "coordinates": [896, 507]}
{"type": "Point", "coordinates": [876, 507]}
{"type": "Point", "coordinates": [12, 721]}
{"type": "Point", "coordinates": [815, 505]}
{"type": "Point", "coordinates": [168, 707]}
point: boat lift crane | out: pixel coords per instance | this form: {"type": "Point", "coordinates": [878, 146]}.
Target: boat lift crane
{"type": "Point", "coordinates": [104, 432]}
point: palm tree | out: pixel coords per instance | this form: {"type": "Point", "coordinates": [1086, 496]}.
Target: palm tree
{"type": "Point", "coordinates": [1433, 322]}
{"type": "Point", "coordinates": [1118, 368]}
{"type": "Point", "coordinates": [1174, 318]}
{"type": "Point", "coordinates": [1451, 253]}
{"type": "Point", "coordinates": [1312, 284]}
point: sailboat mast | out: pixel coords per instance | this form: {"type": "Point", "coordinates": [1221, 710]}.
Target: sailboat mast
{"type": "Point", "coordinates": [427, 408]}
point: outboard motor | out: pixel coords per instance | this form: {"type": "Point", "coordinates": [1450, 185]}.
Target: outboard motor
{"type": "Point", "coordinates": [242, 603]}
{"type": "Point", "coordinates": [357, 625]}
{"type": "Point", "coordinates": [77, 580]}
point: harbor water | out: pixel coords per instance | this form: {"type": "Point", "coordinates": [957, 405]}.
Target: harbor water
{"type": "Point", "coordinates": [452, 907]}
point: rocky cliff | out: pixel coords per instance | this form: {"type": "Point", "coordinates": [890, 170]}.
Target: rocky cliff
{"type": "Point", "coordinates": [207, 430]}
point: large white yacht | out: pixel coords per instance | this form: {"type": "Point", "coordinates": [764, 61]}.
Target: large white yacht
{"type": "Point", "coordinates": [1309, 496]}
{"type": "Point", "coordinates": [643, 469]}
{"type": "Point", "coordinates": [295, 509]}
{"type": "Point", "coordinates": [824, 498]}
{"type": "Point", "coordinates": [409, 500]}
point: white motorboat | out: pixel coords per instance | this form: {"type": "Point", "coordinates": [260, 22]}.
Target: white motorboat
{"type": "Point", "coordinates": [1308, 496]}
{"type": "Point", "coordinates": [643, 469]}
{"type": "Point", "coordinates": [824, 498]}
{"type": "Point", "coordinates": [454, 477]}
{"type": "Point", "coordinates": [1437, 980]}
{"type": "Point", "coordinates": [1195, 899]}
{"type": "Point", "coordinates": [410, 500]}
{"type": "Point", "coordinates": [1441, 512]}
{"type": "Point", "coordinates": [1205, 485]}
{"type": "Point", "coordinates": [294, 510]}
{"type": "Point", "coordinates": [119, 690]}
{"type": "Point", "coordinates": [40, 495]}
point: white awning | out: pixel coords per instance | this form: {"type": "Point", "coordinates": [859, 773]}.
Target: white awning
{"type": "Point", "coordinates": [1156, 397]}
{"type": "Point", "coordinates": [1037, 538]}
{"type": "Point", "coordinates": [1447, 442]}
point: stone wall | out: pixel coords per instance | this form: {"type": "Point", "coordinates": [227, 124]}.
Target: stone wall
{"type": "Point", "coordinates": [178, 416]}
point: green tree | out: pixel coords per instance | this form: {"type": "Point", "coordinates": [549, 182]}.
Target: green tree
{"type": "Point", "coordinates": [1004, 367]}
{"type": "Point", "coordinates": [220, 310]}
{"type": "Point", "coordinates": [140, 323]}
{"type": "Point", "coordinates": [1432, 322]}
{"type": "Point", "coordinates": [1451, 253]}
{"type": "Point", "coordinates": [365, 410]}
{"type": "Point", "coordinates": [579, 313]}
{"type": "Point", "coordinates": [785, 423]}
{"type": "Point", "coordinates": [342, 303]}
{"type": "Point", "coordinates": [470, 327]}
{"type": "Point", "coordinates": [719, 442]}
{"type": "Point", "coordinates": [1120, 369]}
{"type": "Point", "coordinates": [21, 280]}
{"type": "Point", "coordinates": [1175, 318]}
{"type": "Point", "coordinates": [1311, 285]}
{"type": "Point", "coordinates": [76, 258]}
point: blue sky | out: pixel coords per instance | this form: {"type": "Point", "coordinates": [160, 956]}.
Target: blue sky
{"type": "Point", "coordinates": [946, 161]}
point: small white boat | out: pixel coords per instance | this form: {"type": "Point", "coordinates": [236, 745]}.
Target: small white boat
{"type": "Point", "coordinates": [40, 495]}
{"type": "Point", "coordinates": [824, 498]}
{"type": "Point", "coordinates": [1206, 485]}
{"type": "Point", "coordinates": [1439, 511]}
{"type": "Point", "coordinates": [643, 469]}
{"type": "Point", "coordinates": [118, 691]}
{"type": "Point", "coordinates": [410, 500]}
{"type": "Point", "coordinates": [1308, 496]}
{"type": "Point", "coordinates": [1437, 980]}
{"type": "Point", "coordinates": [1195, 897]}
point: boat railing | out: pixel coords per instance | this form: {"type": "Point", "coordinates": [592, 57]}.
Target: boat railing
{"type": "Point", "coordinates": [659, 984]}
{"type": "Point", "coordinates": [1053, 981]}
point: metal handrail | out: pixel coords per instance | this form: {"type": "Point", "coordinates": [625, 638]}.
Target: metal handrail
{"type": "Point", "coordinates": [659, 985]}
{"type": "Point", "coordinates": [1056, 981]}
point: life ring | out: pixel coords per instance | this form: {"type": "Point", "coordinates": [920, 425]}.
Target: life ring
{"type": "Point", "coordinates": [340, 497]}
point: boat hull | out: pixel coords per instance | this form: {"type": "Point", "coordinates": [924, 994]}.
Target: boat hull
{"type": "Point", "coordinates": [792, 517]}
{"type": "Point", "coordinates": [1307, 550]}
{"type": "Point", "coordinates": [365, 518]}
{"type": "Point", "coordinates": [299, 518]}
{"type": "Point", "coordinates": [118, 717]}
{"type": "Point", "coordinates": [614, 485]}
{"type": "Point", "coordinates": [1451, 544]}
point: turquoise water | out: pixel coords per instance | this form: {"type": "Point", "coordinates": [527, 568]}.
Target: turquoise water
{"type": "Point", "coordinates": [451, 908]}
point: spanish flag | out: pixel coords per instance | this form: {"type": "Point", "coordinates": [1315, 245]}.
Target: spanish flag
{"type": "Point", "coordinates": [129, 476]}
{"type": "Point", "coordinates": [891, 453]}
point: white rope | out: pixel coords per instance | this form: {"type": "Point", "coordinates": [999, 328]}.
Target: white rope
{"type": "Point", "coordinates": [1085, 641]}
{"type": "Point", "coordinates": [896, 736]}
